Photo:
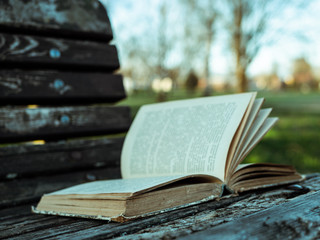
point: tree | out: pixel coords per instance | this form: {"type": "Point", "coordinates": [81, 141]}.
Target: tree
{"type": "Point", "coordinates": [208, 15]}
{"type": "Point", "coordinates": [200, 28]}
{"type": "Point", "coordinates": [135, 41]}
{"type": "Point", "coordinates": [191, 82]}
{"type": "Point", "coordinates": [303, 76]}
{"type": "Point", "coordinates": [163, 42]}
{"type": "Point", "coordinates": [247, 21]}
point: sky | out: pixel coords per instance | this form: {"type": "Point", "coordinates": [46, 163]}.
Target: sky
{"type": "Point", "coordinates": [304, 23]}
{"type": "Point", "coordinates": [303, 39]}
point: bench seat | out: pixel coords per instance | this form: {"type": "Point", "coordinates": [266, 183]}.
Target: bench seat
{"type": "Point", "coordinates": [289, 212]}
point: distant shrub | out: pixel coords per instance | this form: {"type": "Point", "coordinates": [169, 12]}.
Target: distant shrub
{"type": "Point", "coordinates": [191, 82]}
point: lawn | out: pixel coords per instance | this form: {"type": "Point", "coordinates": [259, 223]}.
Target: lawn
{"type": "Point", "coordinates": [294, 140]}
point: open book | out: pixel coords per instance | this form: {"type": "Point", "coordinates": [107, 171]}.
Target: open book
{"type": "Point", "coordinates": [177, 154]}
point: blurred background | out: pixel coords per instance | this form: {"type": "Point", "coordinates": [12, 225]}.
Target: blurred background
{"type": "Point", "coordinates": [175, 49]}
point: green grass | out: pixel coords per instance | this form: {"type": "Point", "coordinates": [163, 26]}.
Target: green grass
{"type": "Point", "coordinates": [136, 100]}
{"type": "Point", "coordinates": [295, 140]}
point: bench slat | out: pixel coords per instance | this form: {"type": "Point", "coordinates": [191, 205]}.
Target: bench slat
{"type": "Point", "coordinates": [12, 214]}
{"type": "Point", "coordinates": [68, 18]}
{"type": "Point", "coordinates": [29, 226]}
{"type": "Point", "coordinates": [292, 220]}
{"type": "Point", "coordinates": [106, 230]}
{"type": "Point", "coordinates": [20, 124]}
{"type": "Point", "coordinates": [56, 87]}
{"type": "Point", "coordinates": [36, 227]}
{"type": "Point", "coordinates": [23, 160]}
{"type": "Point", "coordinates": [171, 224]}
{"type": "Point", "coordinates": [39, 52]}
{"type": "Point", "coordinates": [31, 189]}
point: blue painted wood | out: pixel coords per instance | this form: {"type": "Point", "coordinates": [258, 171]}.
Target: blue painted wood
{"type": "Point", "coordinates": [59, 87]}
{"type": "Point", "coordinates": [20, 124]}
{"type": "Point", "coordinates": [33, 52]}
{"type": "Point", "coordinates": [68, 18]}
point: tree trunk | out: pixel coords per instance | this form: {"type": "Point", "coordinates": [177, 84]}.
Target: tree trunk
{"type": "Point", "coordinates": [208, 89]}
{"type": "Point", "coordinates": [238, 43]}
{"type": "Point", "coordinates": [242, 83]}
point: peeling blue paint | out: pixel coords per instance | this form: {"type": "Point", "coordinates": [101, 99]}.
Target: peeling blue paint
{"type": "Point", "coordinates": [54, 53]}
{"type": "Point", "coordinates": [65, 119]}
{"type": "Point", "coordinates": [58, 84]}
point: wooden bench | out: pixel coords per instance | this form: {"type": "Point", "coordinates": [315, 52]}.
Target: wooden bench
{"type": "Point", "coordinates": [56, 55]}
{"type": "Point", "coordinates": [57, 84]}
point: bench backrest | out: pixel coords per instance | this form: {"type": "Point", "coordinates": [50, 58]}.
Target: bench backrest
{"type": "Point", "coordinates": [57, 84]}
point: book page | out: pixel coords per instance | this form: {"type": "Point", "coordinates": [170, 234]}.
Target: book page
{"type": "Point", "coordinates": [237, 136]}
{"type": "Point", "coordinates": [251, 119]}
{"type": "Point", "coordinates": [126, 186]}
{"type": "Point", "coordinates": [266, 126]}
{"type": "Point", "coordinates": [254, 128]}
{"type": "Point", "coordinates": [183, 137]}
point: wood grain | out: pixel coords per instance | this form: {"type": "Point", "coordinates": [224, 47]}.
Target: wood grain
{"type": "Point", "coordinates": [69, 18]}
{"type": "Point", "coordinates": [26, 190]}
{"type": "Point", "coordinates": [166, 226]}
{"type": "Point", "coordinates": [25, 160]}
{"type": "Point", "coordinates": [23, 51]}
{"type": "Point", "coordinates": [32, 225]}
{"type": "Point", "coordinates": [19, 124]}
{"type": "Point", "coordinates": [296, 219]}
{"type": "Point", "coordinates": [56, 87]}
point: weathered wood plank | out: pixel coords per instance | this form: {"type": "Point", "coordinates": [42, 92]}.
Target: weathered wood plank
{"type": "Point", "coordinates": [23, 160]}
{"type": "Point", "coordinates": [167, 225]}
{"type": "Point", "coordinates": [53, 87]}
{"type": "Point", "coordinates": [28, 225]}
{"type": "Point", "coordinates": [38, 52]}
{"type": "Point", "coordinates": [69, 18]}
{"type": "Point", "coordinates": [209, 218]}
{"type": "Point", "coordinates": [17, 124]}
{"type": "Point", "coordinates": [50, 226]}
{"type": "Point", "coordinates": [13, 213]}
{"type": "Point", "coordinates": [31, 189]}
{"type": "Point", "coordinates": [297, 219]}
{"type": "Point", "coordinates": [108, 230]}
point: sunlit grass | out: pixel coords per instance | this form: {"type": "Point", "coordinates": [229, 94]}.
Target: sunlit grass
{"type": "Point", "coordinates": [136, 100]}
{"type": "Point", "coordinates": [295, 140]}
